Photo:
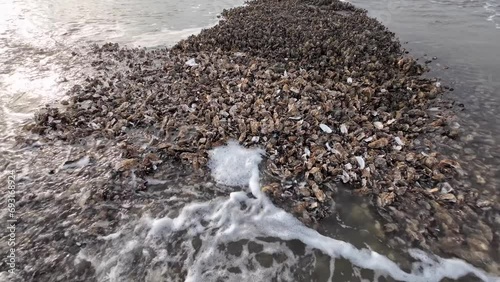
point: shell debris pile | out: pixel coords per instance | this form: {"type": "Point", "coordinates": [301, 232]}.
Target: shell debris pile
{"type": "Point", "coordinates": [327, 91]}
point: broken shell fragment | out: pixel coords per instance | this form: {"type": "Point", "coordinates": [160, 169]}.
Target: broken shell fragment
{"type": "Point", "coordinates": [385, 198]}
{"type": "Point", "coordinates": [447, 198]}
{"type": "Point", "coordinates": [343, 129]}
{"type": "Point", "coordinates": [318, 193]}
{"type": "Point", "coordinates": [399, 141]}
{"type": "Point", "coordinates": [191, 62]}
{"type": "Point", "coordinates": [446, 188]}
{"type": "Point", "coordinates": [126, 164]}
{"type": "Point", "coordinates": [325, 128]}
{"type": "Point", "coordinates": [379, 143]}
{"type": "Point", "coordinates": [378, 125]}
{"type": "Point", "coordinates": [307, 152]}
{"type": "Point", "coordinates": [345, 177]}
{"type": "Point", "coordinates": [361, 162]}
{"type": "Point", "coordinates": [480, 179]}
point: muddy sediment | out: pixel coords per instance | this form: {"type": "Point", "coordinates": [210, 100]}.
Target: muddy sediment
{"type": "Point", "coordinates": [329, 94]}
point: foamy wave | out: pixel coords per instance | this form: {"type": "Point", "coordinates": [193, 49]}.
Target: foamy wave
{"type": "Point", "coordinates": [232, 239]}
{"type": "Point", "coordinates": [493, 10]}
{"type": "Point", "coordinates": [165, 37]}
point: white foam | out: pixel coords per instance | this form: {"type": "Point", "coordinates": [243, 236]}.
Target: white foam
{"type": "Point", "coordinates": [223, 220]}
{"type": "Point", "coordinates": [110, 236]}
{"type": "Point", "coordinates": [83, 162]}
{"type": "Point", "coordinates": [234, 165]}
{"type": "Point", "coordinates": [493, 13]}
{"type": "Point", "coordinates": [154, 181]}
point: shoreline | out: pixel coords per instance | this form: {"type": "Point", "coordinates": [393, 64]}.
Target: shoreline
{"type": "Point", "coordinates": [248, 72]}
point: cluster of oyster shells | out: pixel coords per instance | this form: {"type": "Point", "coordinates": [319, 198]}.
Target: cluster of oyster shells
{"type": "Point", "coordinates": [326, 90]}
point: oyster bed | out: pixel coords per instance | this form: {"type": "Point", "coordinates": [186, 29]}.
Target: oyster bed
{"type": "Point", "coordinates": [328, 93]}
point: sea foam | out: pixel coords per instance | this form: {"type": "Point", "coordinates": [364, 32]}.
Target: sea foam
{"type": "Point", "coordinates": [196, 245]}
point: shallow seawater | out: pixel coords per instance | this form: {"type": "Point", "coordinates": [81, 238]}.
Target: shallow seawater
{"type": "Point", "coordinates": [244, 236]}
{"type": "Point", "coordinates": [37, 39]}
{"type": "Point", "coordinates": [459, 40]}
{"type": "Point", "coordinates": [203, 230]}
